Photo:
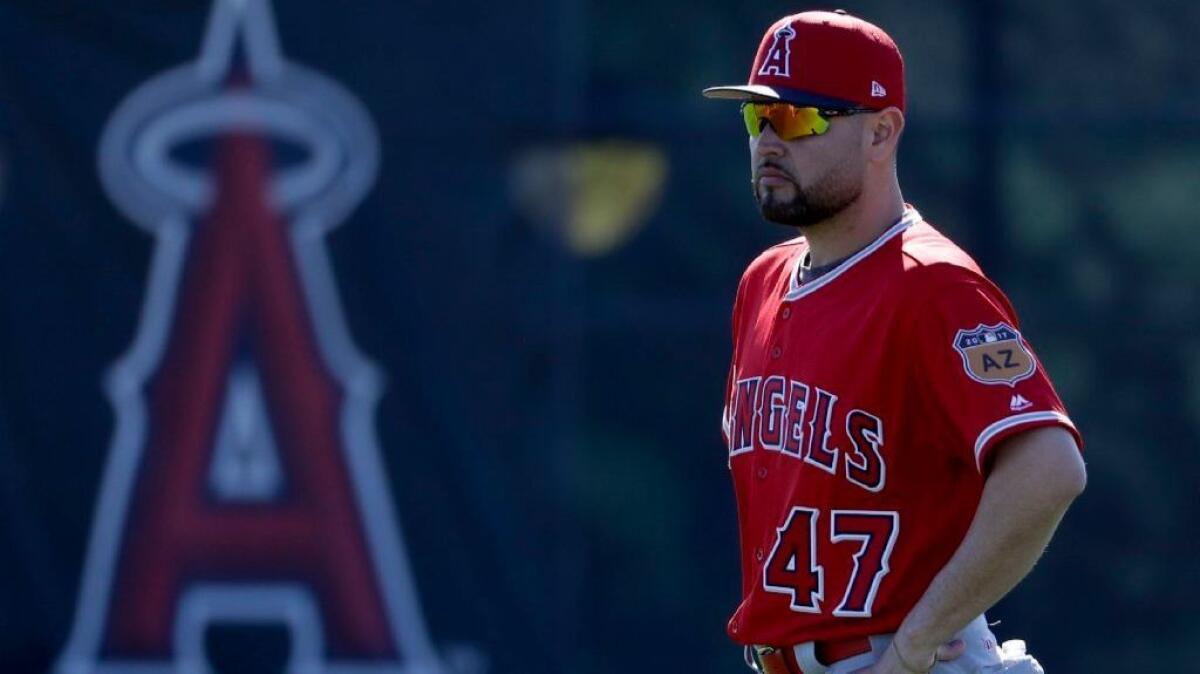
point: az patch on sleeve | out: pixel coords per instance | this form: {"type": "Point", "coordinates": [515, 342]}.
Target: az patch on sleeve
{"type": "Point", "coordinates": [994, 354]}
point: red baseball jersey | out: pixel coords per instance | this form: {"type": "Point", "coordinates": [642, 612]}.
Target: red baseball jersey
{"type": "Point", "coordinates": [862, 409]}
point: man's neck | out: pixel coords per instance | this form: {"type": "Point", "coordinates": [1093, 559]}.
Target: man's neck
{"type": "Point", "coordinates": [851, 230]}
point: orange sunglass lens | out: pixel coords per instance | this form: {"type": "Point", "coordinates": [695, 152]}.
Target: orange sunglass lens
{"type": "Point", "coordinates": [788, 121]}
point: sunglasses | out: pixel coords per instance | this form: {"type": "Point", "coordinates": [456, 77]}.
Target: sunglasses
{"type": "Point", "coordinates": [791, 122]}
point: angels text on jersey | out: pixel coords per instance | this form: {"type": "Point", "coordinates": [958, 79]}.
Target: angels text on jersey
{"type": "Point", "coordinates": [778, 414]}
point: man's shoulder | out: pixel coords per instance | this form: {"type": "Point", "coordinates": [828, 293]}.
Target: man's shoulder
{"type": "Point", "coordinates": [775, 260]}
{"type": "Point", "coordinates": [937, 272]}
{"type": "Point", "coordinates": [932, 259]}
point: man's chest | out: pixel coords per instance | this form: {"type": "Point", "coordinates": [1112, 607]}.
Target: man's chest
{"type": "Point", "coordinates": [818, 384]}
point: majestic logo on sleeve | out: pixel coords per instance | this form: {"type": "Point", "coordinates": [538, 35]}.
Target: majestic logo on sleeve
{"type": "Point", "coordinates": [778, 58]}
{"type": "Point", "coordinates": [244, 484]}
{"type": "Point", "coordinates": [994, 354]}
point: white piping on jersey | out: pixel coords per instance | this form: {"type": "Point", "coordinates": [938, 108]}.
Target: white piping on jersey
{"type": "Point", "coordinates": [798, 290]}
{"type": "Point", "coordinates": [1016, 420]}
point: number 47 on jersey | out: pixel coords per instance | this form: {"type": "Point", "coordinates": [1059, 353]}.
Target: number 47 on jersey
{"type": "Point", "coordinates": [793, 569]}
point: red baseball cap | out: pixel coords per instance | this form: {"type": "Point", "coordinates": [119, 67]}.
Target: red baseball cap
{"type": "Point", "coordinates": [824, 59]}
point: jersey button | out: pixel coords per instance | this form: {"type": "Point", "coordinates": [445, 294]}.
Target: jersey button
{"type": "Point", "coordinates": [776, 352]}
{"type": "Point", "coordinates": [758, 554]}
{"type": "Point", "coordinates": [786, 313]}
{"type": "Point", "coordinates": [762, 472]}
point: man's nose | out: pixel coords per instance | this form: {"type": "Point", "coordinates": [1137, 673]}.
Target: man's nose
{"type": "Point", "coordinates": [768, 142]}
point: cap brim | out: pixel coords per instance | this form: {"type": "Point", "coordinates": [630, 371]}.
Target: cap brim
{"type": "Point", "coordinates": [761, 92]}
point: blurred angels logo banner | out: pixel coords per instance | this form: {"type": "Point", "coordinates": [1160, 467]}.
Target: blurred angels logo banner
{"type": "Point", "coordinates": [244, 484]}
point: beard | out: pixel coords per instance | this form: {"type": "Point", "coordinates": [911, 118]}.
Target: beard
{"type": "Point", "coordinates": [833, 193]}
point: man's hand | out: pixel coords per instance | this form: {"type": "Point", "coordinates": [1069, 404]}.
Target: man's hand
{"type": "Point", "coordinates": [1037, 473]}
{"type": "Point", "coordinates": [893, 662]}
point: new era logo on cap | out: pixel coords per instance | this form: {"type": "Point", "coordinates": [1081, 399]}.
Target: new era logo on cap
{"type": "Point", "coordinates": [824, 59]}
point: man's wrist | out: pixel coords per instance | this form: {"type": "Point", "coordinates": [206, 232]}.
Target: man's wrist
{"type": "Point", "coordinates": [908, 666]}
{"type": "Point", "coordinates": [916, 655]}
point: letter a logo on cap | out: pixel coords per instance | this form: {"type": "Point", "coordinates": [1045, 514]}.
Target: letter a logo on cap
{"type": "Point", "coordinates": [777, 61]}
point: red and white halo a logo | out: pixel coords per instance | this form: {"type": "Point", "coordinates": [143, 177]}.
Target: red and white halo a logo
{"type": "Point", "coordinates": [244, 482]}
{"type": "Point", "coordinates": [778, 59]}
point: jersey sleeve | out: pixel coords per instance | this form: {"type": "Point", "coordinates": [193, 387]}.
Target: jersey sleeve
{"type": "Point", "coordinates": [975, 371]}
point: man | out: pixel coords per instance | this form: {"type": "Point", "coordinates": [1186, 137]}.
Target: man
{"type": "Point", "coordinates": [899, 457]}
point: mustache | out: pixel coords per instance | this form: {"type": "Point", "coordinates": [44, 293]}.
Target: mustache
{"type": "Point", "coordinates": [772, 165]}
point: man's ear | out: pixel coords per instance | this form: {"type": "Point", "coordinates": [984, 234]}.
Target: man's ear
{"type": "Point", "coordinates": [883, 133]}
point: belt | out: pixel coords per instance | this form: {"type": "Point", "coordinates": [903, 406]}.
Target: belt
{"type": "Point", "coordinates": [774, 660]}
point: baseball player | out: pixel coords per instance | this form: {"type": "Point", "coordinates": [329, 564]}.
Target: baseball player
{"type": "Point", "coordinates": [899, 457]}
